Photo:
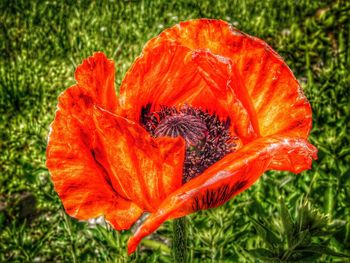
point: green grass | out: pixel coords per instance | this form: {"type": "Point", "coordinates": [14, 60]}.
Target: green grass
{"type": "Point", "coordinates": [42, 42]}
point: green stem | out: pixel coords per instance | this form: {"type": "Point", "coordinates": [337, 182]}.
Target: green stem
{"type": "Point", "coordinates": [180, 240]}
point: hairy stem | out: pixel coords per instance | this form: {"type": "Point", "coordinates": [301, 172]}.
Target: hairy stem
{"type": "Point", "coordinates": [180, 240]}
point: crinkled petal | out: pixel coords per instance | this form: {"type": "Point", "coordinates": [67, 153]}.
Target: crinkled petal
{"type": "Point", "coordinates": [223, 85]}
{"type": "Point", "coordinates": [146, 170]}
{"type": "Point", "coordinates": [81, 181]}
{"type": "Point", "coordinates": [230, 176]}
{"type": "Point", "coordinates": [96, 76]}
{"type": "Point", "coordinates": [271, 91]}
{"type": "Point", "coordinates": [135, 166]}
{"type": "Point", "coordinates": [170, 74]}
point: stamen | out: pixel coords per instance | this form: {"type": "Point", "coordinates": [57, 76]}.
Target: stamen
{"type": "Point", "coordinates": [191, 128]}
{"type": "Point", "coordinates": [207, 138]}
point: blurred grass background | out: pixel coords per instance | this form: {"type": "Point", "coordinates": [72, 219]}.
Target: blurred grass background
{"type": "Point", "coordinates": [282, 218]}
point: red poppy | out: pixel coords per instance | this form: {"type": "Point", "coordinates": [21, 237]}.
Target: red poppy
{"type": "Point", "coordinates": [201, 115]}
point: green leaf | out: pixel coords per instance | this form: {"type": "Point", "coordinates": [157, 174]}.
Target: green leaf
{"type": "Point", "coordinates": [344, 151]}
{"type": "Point", "coordinates": [266, 234]}
{"type": "Point", "coordinates": [263, 254]}
{"type": "Point", "coordinates": [287, 222]}
{"type": "Point", "coordinates": [321, 250]}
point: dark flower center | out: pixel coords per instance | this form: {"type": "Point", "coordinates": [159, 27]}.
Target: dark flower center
{"type": "Point", "coordinates": [191, 128]}
{"type": "Point", "coordinates": [208, 139]}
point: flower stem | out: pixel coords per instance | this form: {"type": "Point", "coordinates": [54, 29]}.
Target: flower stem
{"type": "Point", "coordinates": [180, 240]}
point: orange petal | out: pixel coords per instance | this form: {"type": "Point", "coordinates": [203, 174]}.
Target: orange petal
{"type": "Point", "coordinates": [223, 85]}
{"type": "Point", "coordinates": [271, 90]}
{"type": "Point", "coordinates": [82, 183]}
{"type": "Point", "coordinates": [230, 176]}
{"type": "Point", "coordinates": [170, 74]}
{"type": "Point", "coordinates": [96, 76]}
{"type": "Point", "coordinates": [135, 166]}
{"type": "Point", "coordinates": [146, 170]}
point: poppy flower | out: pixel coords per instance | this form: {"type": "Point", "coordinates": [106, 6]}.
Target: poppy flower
{"type": "Point", "coordinates": [201, 115]}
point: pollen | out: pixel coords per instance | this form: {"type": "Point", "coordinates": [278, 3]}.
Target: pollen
{"type": "Point", "coordinates": [208, 139]}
